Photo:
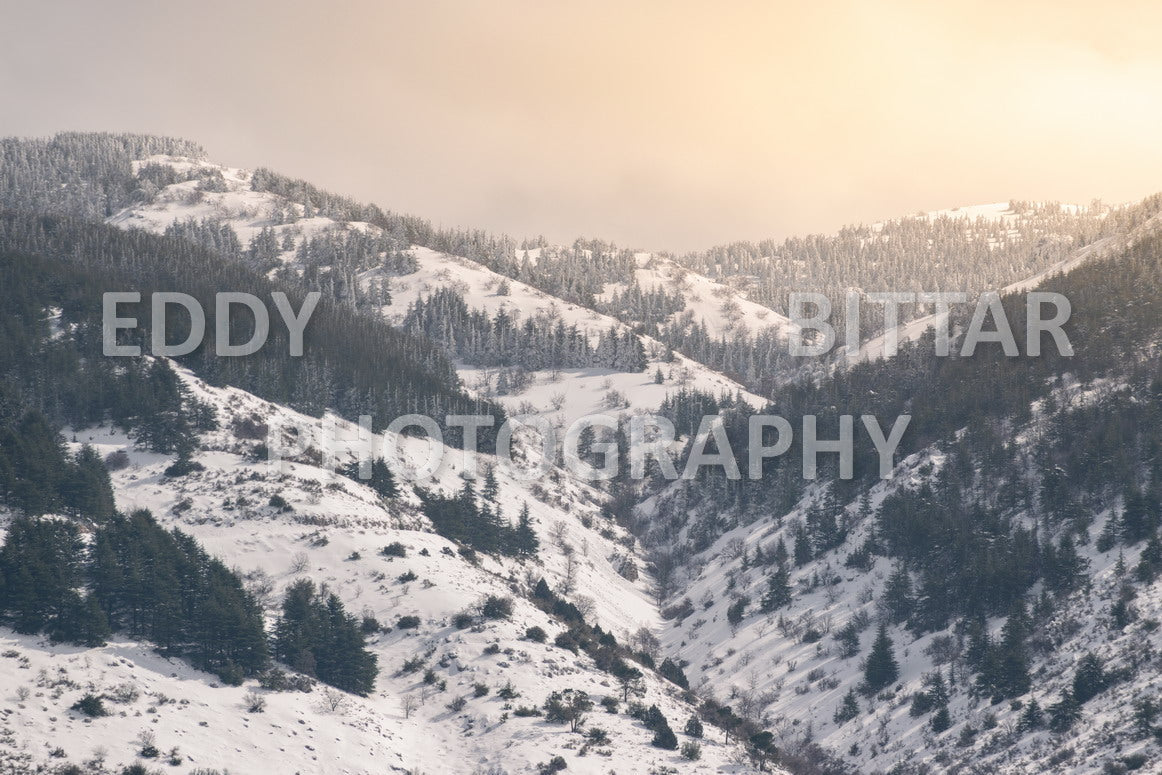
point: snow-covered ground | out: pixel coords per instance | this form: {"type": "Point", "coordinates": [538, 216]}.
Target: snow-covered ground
{"type": "Point", "coordinates": [333, 534]}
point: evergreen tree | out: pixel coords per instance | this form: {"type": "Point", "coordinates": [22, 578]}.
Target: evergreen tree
{"type": "Point", "coordinates": [847, 710]}
{"type": "Point", "coordinates": [1064, 713]}
{"type": "Point", "coordinates": [1090, 679]}
{"type": "Point", "coordinates": [803, 553]}
{"type": "Point", "coordinates": [1032, 718]}
{"type": "Point", "coordinates": [897, 600]}
{"type": "Point", "coordinates": [881, 669]}
{"type": "Point", "coordinates": [778, 593]}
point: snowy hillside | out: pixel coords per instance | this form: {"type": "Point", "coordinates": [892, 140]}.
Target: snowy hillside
{"type": "Point", "coordinates": [332, 529]}
{"type": "Point", "coordinates": [992, 606]}
{"type": "Point", "coordinates": [249, 212]}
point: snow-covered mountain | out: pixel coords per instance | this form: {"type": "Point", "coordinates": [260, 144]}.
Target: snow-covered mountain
{"type": "Point", "coordinates": [686, 573]}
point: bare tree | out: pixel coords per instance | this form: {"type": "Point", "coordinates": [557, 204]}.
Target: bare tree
{"type": "Point", "coordinates": [299, 563]}
{"type": "Point", "coordinates": [569, 583]}
{"type": "Point", "coordinates": [334, 700]}
{"type": "Point", "coordinates": [409, 705]}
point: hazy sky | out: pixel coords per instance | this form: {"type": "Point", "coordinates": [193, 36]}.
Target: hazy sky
{"type": "Point", "coordinates": [664, 125]}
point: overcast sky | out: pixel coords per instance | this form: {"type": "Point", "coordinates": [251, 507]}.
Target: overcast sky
{"type": "Point", "coordinates": [662, 125]}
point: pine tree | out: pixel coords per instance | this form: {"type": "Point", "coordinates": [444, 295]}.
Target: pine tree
{"type": "Point", "coordinates": [897, 599]}
{"type": "Point", "coordinates": [1012, 678]}
{"type": "Point", "coordinates": [526, 536]}
{"type": "Point", "coordinates": [881, 669]}
{"type": "Point", "coordinates": [1064, 713]}
{"type": "Point", "coordinates": [941, 720]}
{"type": "Point", "coordinates": [778, 593]}
{"type": "Point", "coordinates": [1090, 678]}
{"type": "Point", "coordinates": [803, 553]}
{"type": "Point", "coordinates": [847, 710]}
{"type": "Point", "coordinates": [1032, 718]}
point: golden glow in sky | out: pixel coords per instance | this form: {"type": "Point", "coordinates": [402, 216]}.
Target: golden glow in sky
{"type": "Point", "coordinates": [663, 125]}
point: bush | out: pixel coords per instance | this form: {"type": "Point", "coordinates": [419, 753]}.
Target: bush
{"type": "Point", "coordinates": [370, 625]}
{"type": "Point", "coordinates": [182, 467]}
{"type": "Point", "coordinates": [610, 704]}
{"type": "Point", "coordinates": [408, 622]}
{"type": "Point", "coordinates": [117, 460]}
{"type": "Point", "coordinates": [275, 680]}
{"type": "Point", "coordinates": [254, 702]}
{"type": "Point", "coordinates": [407, 576]}
{"type": "Point", "coordinates": [394, 549]}
{"type": "Point", "coordinates": [664, 737]}
{"type": "Point", "coordinates": [496, 607]}
{"type": "Point", "coordinates": [91, 705]}
{"type": "Point", "coordinates": [463, 620]}
{"type": "Point", "coordinates": [526, 711]}
{"type": "Point", "coordinates": [480, 689]}
{"type": "Point", "coordinates": [556, 764]}
{"type": "Point", "coordinates": [1135, 761]}
{"type": "Point", "coordinates": [692, 751]}
{"type": "Point", "coordinates": [457, 704]}
{"type": "Point", "coordinates": [536, 634]}
{"type": "Point", "coordinates": [566, 640]}
{"type": "Point", "coordinates": [231, 674]}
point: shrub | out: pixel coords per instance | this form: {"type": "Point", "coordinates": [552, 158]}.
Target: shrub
{"type": "Point", "coordinates": [182, 467]}
{"type": "Point", "coordinates": [691, 750]}
{"type": "Point", "coordinates": [536, 634]}
{"type": "Point", "coordinates": [370, 625]}
{"type": "Point", "coordinates": [496, 607]}
{"type": "Point", "coordinates": [254, 702]}
{"type": "Point", "coordinates": [664, 737]}
{"type": "Point", "coordinates": [231, 674]}
{"type": "Point", "coordinates": [463, 620]}
{"type": "Point", "coordinates": [394, 549]}
{"type": "Point", "coordinates": [91, 705]}
{"type": "Point", "coordinates": [408, 622]}
{"type": "Point", "coordinates": [125, 693]}
{"type": "Point", "coordinates": [117, 460]}
{"type": "Point", "coordinates": [556, 764]}
{"type": "Point", "coordinates": [566, 640]}
{"type": "Point", "coordinates": [457, 704]}
{"type": "Point", "coordinates": [480, 689]}
{"type": "Point", "coordinates": [610, 704]}
{"type": "Point", "coordinates": [407, 576]}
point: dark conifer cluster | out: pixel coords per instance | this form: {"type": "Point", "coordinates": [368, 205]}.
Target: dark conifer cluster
{"type": "Point", "coordinates": [502, 340]}
{"type": "Point", "coordinates": [317, 637]}
{"type": "Point", "coordinates": [475, 520]}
